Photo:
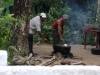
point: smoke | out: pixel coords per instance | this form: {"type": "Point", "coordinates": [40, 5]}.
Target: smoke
{"type": "Point", "coordinates": [82, 13]}
{"type": "Point", "coordinates": [76, 22]}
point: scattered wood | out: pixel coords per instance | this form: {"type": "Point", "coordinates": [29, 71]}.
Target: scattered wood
{"type": "Point", "coordinates": [18, 60]}
{"type": "Point", "coordinates": [29, 56]}
{"type": "Point", "coordinates": [59, 55]}
{"type": "Point", "coordinates": [47, 57]}
{"type": "Point", "coordinates": [56, 57]}
{"type": "Point", "coordinates": [77, 57]}
{"type": "Point", "coordinates": [26, 62]}
{"type": "Point", "coordinates": [67, 62]}
{"type": "Point", "coordinates": [72, 62]}
{"type": "Point", "coordinates": [48, 62]}
{"type": "Point", "coordinates": [78, 63]}
{"type": "Point", "coordinates": [38, 60]}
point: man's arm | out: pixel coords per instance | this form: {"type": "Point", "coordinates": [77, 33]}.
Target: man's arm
{"type": "Point", "coordinates": [59, 28]}
{"type": "Point", "coordinates": [40, 33]}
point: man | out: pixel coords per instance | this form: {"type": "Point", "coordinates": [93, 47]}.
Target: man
{"type": "Point", "coordinates": [35, 26]}
{"type": "Point", "coordinates": [58, 30]}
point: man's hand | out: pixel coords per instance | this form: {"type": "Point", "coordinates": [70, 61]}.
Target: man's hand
{"type": "Point", "coordinates": [61, 39]}
{"type": "Point", "coordinates": [45, 40]}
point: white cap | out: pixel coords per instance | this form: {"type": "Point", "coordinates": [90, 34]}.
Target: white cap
{"type": "Point", "coordinates": [43, 15]}
{"type": "Point", "coordinates": [65, 16]}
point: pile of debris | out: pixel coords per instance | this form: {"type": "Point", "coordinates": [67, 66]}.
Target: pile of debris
{"type": "Point", "coordinates": [57, 59]}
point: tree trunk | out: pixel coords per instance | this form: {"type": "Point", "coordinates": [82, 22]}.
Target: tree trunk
{"type": "Point", "coordinates": [19, 38]}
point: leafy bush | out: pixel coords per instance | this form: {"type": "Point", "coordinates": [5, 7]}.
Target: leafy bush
{"type": "Point", "coordinates": [11, 50]}
{"type": "Point", "coordinates": [5, 28]}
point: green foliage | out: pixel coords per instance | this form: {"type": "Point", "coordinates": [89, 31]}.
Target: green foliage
{"type": "Point", "coordinates": [24, 53]}
{"type": "Point", "coordinates": [5, 4]}
{"type": "Point", "coordinates": [46, 5]}
{"type": "Point", "coordinates": [98, 15]}
{"type": "Point", "coordinates": [12, 48]}
{"type": "Point", "coordinates": [91, 40]}
{"type": "Point", "coordinates": [6, 21]}
{"type": "Point", "coordinates": [5, 29]}
{"type": "Point", "coordinates": [10, 51]}
{"type": "Point", "coordinates": [11, 2]}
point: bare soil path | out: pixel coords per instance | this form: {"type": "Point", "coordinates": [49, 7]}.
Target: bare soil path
{"type": "Point", "coordinates": [77, 50]}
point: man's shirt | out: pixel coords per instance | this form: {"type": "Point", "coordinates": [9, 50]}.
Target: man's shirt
{"type": "Point", "coordinates": [35, 25]}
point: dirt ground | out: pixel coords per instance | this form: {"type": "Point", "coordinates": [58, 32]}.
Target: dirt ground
{"type": "Point", "coordinates": [77, 50]}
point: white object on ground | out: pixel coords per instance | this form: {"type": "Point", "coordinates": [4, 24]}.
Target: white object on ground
{"type": "Point", "coordinates": [3, 58]}
{"type": "Point", "coordinates": [38, 43]}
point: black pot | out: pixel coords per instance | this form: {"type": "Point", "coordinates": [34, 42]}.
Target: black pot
{"type": "Point", "coordinates": [64, 50]}
{"type": "Point", "coordinates": [95, 51]}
